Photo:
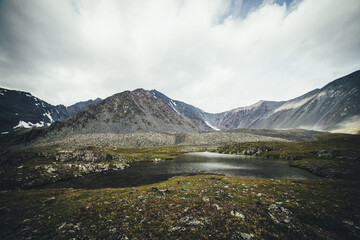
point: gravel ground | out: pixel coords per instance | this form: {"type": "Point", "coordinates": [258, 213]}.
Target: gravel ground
{"type": "Point", "coordinates": [160, 139]}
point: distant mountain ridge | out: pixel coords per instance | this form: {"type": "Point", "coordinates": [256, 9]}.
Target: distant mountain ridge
{"type": "Point", "coordinates": [23, 110]}
{"type": "Point", "coordinates": [336, 105]}
{"type": "Point", "coordinates": [80, 106]}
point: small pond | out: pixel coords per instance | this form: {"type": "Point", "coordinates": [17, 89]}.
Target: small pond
{"type": "Point", "coordinates": [187, 164]}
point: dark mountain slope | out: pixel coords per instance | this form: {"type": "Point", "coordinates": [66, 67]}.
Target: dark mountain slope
{"type": "Point", "coordinates": [79, 106]}
{"type": "Point", "coordinates": [22, 110]}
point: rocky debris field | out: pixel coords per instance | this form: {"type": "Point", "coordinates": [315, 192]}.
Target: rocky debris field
{"type": "Point", "coordinates": [160, 139]}
{"type": "Point", "coordinates": [291, 134]}
{"type": "Point", "coordinates": [21, 139]}
{"type": "Point", "coordinates": [196, 207]}
{"type": "Point", "coordinates": [27, 169]}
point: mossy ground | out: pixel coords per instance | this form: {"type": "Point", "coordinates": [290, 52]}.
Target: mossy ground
{"type": "Point", "coordinates": [203, 206]}
{"type": "Point", "coordinates": [136, 154]}
{"type": "Point", "coordinates": [196, 207]}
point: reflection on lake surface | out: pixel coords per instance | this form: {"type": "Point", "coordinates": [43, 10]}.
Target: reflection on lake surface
{"type": "Point", "coordinates": [188, 164]}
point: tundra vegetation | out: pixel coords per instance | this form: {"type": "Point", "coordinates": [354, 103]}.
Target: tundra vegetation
{"type": "Point", "coordinates": [204, 206]}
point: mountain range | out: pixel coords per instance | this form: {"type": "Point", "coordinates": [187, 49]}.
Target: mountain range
{"type": "Point", "coordinates": [334, 106]}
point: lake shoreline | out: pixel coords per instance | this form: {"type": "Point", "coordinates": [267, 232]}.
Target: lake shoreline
{"type": "Point", "coordinates": [189, 164]}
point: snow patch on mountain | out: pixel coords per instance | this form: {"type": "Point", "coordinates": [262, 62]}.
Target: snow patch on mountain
{"type": "Point", "coordinates": [173, 106]}
{"type": "Point", "coordinates": [49, 116]}
{"type": "Point", "coordinates": [23, 124]}
{"type": "Point", "coordinates": [213, 127]}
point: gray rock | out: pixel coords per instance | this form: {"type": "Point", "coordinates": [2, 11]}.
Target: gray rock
{"type": "Point", "coordinates": [192, 221]}
{"type": "Point", "coordinates": [176, 229]}
{"type": "Point", "coordinates": [279, 215]}
{"type": "Point", "coordinates": [238, 215]}
{"type": "Point", "coordinates": [350, 223]}
{"type": "Point", "coordinates": [49, 200]}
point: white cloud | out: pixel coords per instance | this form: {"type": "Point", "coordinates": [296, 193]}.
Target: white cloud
{"type": "Point", "coordinates": [200, 52]}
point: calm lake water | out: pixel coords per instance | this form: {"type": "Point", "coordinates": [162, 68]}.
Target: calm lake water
{"type": "Point", "coordinates": [188, 164]}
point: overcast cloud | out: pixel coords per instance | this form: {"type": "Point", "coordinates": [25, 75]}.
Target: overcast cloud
{"type": "Point", "coordinates": [216, 55]}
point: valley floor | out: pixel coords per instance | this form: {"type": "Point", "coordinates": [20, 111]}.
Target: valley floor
{"type": "Point", "coordinates": [192, 207]}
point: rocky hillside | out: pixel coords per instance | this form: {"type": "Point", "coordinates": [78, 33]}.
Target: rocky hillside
{"type": "Point", "coordinates": [334, 106]}
{"type": "Point", "coordinates": [205, 121]}
{"type": "Point", "coordinates": [127, 112]}
{"type": "Point", "coordinates": [22, 110]}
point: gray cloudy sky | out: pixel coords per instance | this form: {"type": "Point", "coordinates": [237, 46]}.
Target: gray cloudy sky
{"type": "Point", "coordinates": [216, 55]}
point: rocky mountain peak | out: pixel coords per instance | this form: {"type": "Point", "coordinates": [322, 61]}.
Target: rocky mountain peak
{"type": "Point", "coordinates": [126, 112]}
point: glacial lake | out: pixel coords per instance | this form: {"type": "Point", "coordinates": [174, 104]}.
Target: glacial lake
{"type": "Point", "coordinates": [187, 164]}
